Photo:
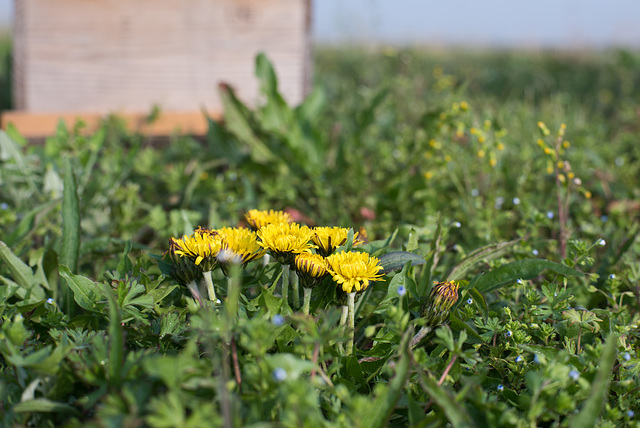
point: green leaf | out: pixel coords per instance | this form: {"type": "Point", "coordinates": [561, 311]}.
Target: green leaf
{"type": "Point", "coordinates": [85, 291]}
{"type": "Point", "coordinates": [588, 416]}
{"type": "Point", "coordinates": [116, 339]}
{"type": "Point", "coordinates": [397, 259]}
{"type": "Point", "coordinates": [70, 220]}
{"type": "Point", "coordinates": [484, 253]}
{"type": "Point", "coordinates": [455, 413]}
{"type": "Point", "coordinates": [43, 405]}
{"type": "Point", "coordinates": [521, 269]}
{"type": "Point", "coordinates": [20, 271]}
{"type": "Point", "coordinates": [125, 265]}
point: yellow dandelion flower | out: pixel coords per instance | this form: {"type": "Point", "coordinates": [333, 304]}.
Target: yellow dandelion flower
{"type": "Point", "coordinates": [541, 125]}
{"type": "Point", "coordinates": [570, 175]}
{"type": "Point", "coordinates": [354, 270]}
{"type": "Point", "coordinates": [447, 158]}
{"type": "Point", "coordinates": [311, 268]}
{"type": "Point", "coordinates": [480, 153]}
{"type": "Point", "coordinates": [487, 124]}
{"type": "Point", "coordinates": [285, 240]}
{"type": "Point", "coordinates": [500, 147]}
{"type": "Point", "coordinates": [562, 178]}
{"type": "Point", "coordinates": [464, 106]}
{"type": "Point", "coordinates": [482, 139]}
{"type": "Point", "coordinates": [428, 175]}
{"type": "Point", "coordinates": [435, 144]}
{"type": "Point", "coordinates": [549, 169]}
{"type": "Point", "coordinates": [328, 239]}
{"type": "Point", "coordinates": [548, 151]}
{"type": "Point", "coordinates": [202, 248]}
{"type": "Point", "coordinates": [473, 131]}
{"type": "Point", "coordinates": [183, 270]}
{"type": "Point", "coordinates": [239, 245]}
{"type": "Point", "coordinates": [493, 162]}
{"type": "Point", "coordinates": [566, 144]}
{"type": "Point", "coordinates": [257, 219]}
{"type": "Point", "coordinates": [587, 194]}
{"type": "Point", "coordinates": [560, 164]}
{"type": "Point", "coordinates": [540, 142]}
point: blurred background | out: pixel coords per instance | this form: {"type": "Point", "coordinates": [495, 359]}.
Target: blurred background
{"type": "Point", "coordinates": [501, 23]}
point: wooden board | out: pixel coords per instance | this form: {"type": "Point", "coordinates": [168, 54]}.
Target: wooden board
{"type": "Point", "coordinates": [129, 55]}
{"type": "Point", "coordinates": [36, 126]}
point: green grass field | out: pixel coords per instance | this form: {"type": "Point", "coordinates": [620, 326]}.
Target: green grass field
{"type": "Point", "coordinates": [498, 286]}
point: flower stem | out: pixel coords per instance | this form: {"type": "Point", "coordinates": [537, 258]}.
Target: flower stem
{"type": "Point", "coordinates": [285, 283]}
{"type": "Point", "coordinates": [420, 335]}
{"type": "Point", "coordinates": [193, 289]}
{"type": "Point", "coordinates": [295, 290]}
{"type": "Point", "coordinates": [343, 321]}
{"type": "Point", "coordinates": [210, 289]}
{"type": "Point", "coordinates": [351, 301]}
{"type": "Point", "coordinates": [306, 300]}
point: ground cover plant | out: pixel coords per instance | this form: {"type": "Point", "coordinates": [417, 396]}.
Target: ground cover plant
{"type": "Point", "coordinates": [453, 241]}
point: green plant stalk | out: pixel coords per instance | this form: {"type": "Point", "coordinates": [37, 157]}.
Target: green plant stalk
{"type": "Point", "coordinates": [70, 248]}
{"type": "Point", "coordinates": [193, 289]}
{"type": "Point", "coordinates": [419, 336]}
{"type": "Point", "coordinates": [210, 289]}
{"type": "Point", "coordinates": [306, 302]}
{"type": "Point", "coordinates": [285, 283]}
{"type": "Point", "coordinates": [578, 342]}
{"type": "Point", "coordinates": [343, 321]}
{"type": "Point", "coordinates": [295, 290]}
{"type": "Point", "coordinates": [351, 319]}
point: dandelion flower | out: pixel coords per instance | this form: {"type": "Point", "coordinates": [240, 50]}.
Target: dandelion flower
{"type": "Point", "coordinates": [257, 219]}
{"type": "Point", "coordinates": [437, 306]}
{"type": "Point", "coordinates": [285, 240]}
{"type": "Point", "coordinates": [354, 270]}
{"type": "Point", "coordinates": [311, 269]}
{"type": "Point", "coordinates": [239, 244]}
{"type": "Point", "coordinates": [202, 248]}
{"type": "Point", "coordinates": [328, 239]}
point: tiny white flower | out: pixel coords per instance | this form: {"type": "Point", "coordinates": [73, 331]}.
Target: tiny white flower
{"type": "Point", "coordinates": [457, 224]}
{"type": "Point", "coordinates": [602, 242]}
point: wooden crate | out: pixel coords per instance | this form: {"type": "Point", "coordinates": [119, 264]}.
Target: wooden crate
{"type": "Point", "coordinates": [76, 57]}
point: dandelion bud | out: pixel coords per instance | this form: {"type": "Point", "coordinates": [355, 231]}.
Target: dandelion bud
{"type": "Point", "coordinates": [183, 270]}
{"type": "Point", "coordinates": [442, 297]}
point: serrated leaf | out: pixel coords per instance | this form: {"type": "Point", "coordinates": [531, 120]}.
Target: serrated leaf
{"type": "Point", "coordinates": [521, 269]}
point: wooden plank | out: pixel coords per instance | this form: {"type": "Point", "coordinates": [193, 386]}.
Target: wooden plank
{"type": "Point", "coordinates": [40, 125]}
{"type": "Point", "coordinates": [123, 55]}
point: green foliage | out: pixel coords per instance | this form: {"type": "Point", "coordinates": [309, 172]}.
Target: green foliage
{"type": "Point", "coordinates": [437, 157]}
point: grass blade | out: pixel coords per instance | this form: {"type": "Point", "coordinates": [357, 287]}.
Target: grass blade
{"type": "Point", "coordinates": [521, 269]}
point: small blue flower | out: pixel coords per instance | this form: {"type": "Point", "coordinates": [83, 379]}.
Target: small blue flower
{"type": "Point", "coordinates": [612, 276]}
{"type": "Point", "coordinates": [535, 252]}
{"type": "Point", "coordinates": [401, 290]}
{"type": "Point", "coordinates": [519, 281]}
{"type": "Point", "coordinates": [550, 215]}
{"type": "Point", "coordinates": [516, 201]}
{"type": "Point", "coordinates": [50, 301]}
{"type": "Point", "coordinates": [626, 356]}
{"type": "Point", "coordinates": [4, 206]}
{"type": "Point", "coordinates": [536, 359]}
{"type": "Point", "coordinates": [500, 388]}
{"type": "Point", "coordinates": [469, 301]}
{"type": "Point", "coordinates": [604, 218]}
{"type": "Point", "coordinates": [277, 320]}
{"type": "Point", "coordinates": [457, 224]}
{"type": "Point", "coordinates": [631, 413]}
{"type": "Point", "coordinates": [519, 359]}
{"type": "Point", "coordinates": [601, 242]}
{"type": "Point", "coordinates": [509, 333]}
{"type": "Point", "coordinates": [574, 374]}
{"type": "Point", "coordinates": [279, 374]}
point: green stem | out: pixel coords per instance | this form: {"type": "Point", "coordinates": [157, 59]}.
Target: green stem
{"type": "Point", "coordinates": [193, 289]}
{"type": "Point", "coordinates": [351, 319]}
{"type": "Point", "coordinates": [306, 300]}
{"type": "Point", "coordinates": [295, 290]}
{"type": "Point", "coordinates": [343, 321]}
{"type": "Point", "coordinates": [419, 336]}
{"type": "Point", "coordinates": [285, 283]}
{"type": "Point", "coordinates": [210, 289]}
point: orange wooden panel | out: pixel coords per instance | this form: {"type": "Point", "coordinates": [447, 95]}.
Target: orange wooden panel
{"type": "Point", "coordinates": [41, 125]}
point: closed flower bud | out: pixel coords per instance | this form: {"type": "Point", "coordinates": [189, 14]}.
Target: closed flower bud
{"type": "Point", "coordinates": [442, 297]}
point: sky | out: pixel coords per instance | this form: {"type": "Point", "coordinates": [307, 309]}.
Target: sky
{"type": "Point", "coordinates": [502, 23]}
